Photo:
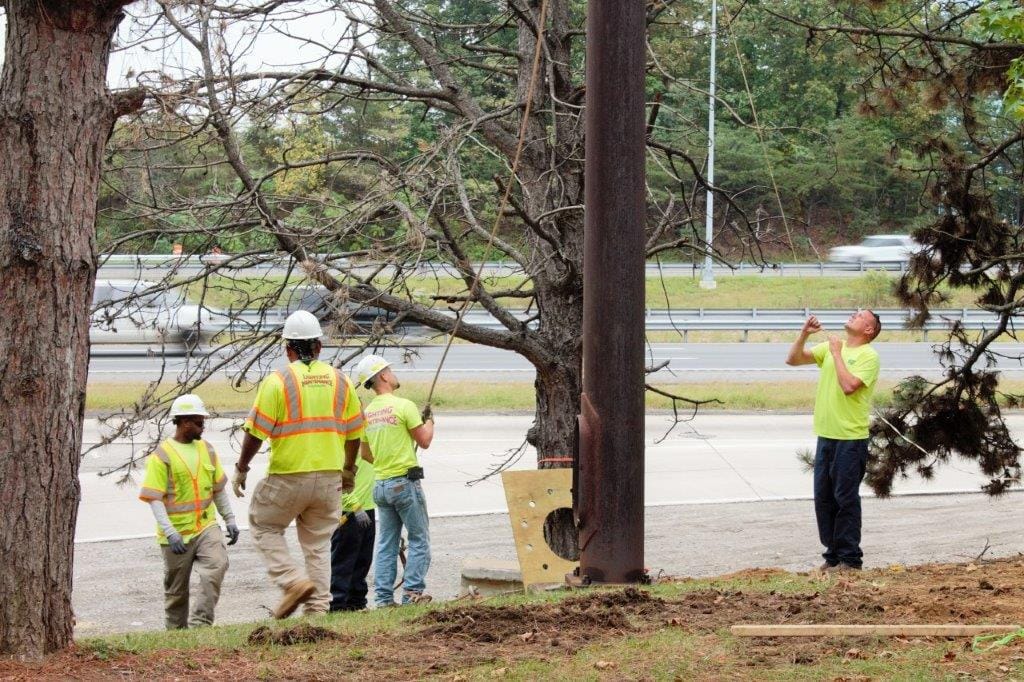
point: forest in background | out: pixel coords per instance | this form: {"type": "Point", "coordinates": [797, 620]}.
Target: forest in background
{"type": "Point", "coordinates": [810, 146]}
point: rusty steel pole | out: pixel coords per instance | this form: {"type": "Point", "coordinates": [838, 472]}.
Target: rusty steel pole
{"type": "Point", "coordinates": [610, 477]}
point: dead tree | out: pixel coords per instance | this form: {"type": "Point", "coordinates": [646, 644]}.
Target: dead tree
{"type": "Point", "coordinates": [492, 97]}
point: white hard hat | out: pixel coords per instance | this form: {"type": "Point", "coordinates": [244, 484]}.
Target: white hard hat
{"type": "Point", "coordinates": [188, 405]}
{"type": "Point", "coordinates": [302, 324]}
{"type": "Point", "coordinates": [369, 367]}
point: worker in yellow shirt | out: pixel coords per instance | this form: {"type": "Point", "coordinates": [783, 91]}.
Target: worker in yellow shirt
{"type": "Point", "coordinates": [183, 477]}
{"type": "Point", "coordinates": [352, 542]}
{"type": "Point", "coordinates": [842, 412]}
{"type": "Point", "coordinates": [311, 414]}
{"type": "Point", "coordinates": [394, 428]}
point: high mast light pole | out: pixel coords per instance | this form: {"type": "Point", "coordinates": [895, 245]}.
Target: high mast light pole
{"type": "Point", "coordinates": [707, 280]}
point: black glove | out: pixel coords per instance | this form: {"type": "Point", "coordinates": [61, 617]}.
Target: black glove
{"type": "Point", "coordinates": [176, 544]}
{"type": "Point", "coordinates": [427, 413]}
{"type": "Point", "coordinates": [232, 533]}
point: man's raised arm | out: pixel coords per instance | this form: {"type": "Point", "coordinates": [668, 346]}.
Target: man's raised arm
{"type": "Point", "coordinates": [798, 355]}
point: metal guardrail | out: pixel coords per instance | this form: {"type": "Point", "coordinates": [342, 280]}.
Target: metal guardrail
{"type": "Point", "coordinates": [761, 319]}
{"type": "Point", "coordinates": [755, 319]}
{"type": "Point", "coordinates": [696, 319]}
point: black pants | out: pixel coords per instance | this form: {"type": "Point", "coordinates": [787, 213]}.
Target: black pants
{"type": "Point", "coordinates": [838, 470]}
{"type": "Point", "coordinates": [351, 555]}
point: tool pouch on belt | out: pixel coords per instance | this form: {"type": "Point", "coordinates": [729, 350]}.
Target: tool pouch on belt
{"type": "Point", "coordinates": [414, 473]}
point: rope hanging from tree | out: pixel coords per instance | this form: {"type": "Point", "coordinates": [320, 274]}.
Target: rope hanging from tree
{"type": "Point", "coordinates": [468, 303]}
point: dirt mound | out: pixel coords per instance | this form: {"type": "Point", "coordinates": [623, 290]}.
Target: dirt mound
{"type": "Point", "coordinates": [297, 634]}
{"type": "Point", "coordinates": [582, 617]}
{"type": "Point", "coordinates": [453, 641]}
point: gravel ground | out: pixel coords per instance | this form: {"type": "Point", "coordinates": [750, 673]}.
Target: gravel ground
{"type": "Point", "coordinates": [118, 584]}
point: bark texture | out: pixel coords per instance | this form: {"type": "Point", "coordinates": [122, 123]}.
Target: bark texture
{"type": "Point", "coordinates": [55, 118]}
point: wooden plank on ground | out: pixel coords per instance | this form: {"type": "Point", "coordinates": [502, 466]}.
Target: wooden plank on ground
{"type": "Point", "coordinates": [840, 630]}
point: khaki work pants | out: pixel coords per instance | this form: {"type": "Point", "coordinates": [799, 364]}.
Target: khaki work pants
{"type": "Point", "coordinates": [313, 501]}
{"type": "Point", "coordinates": [208, 555]}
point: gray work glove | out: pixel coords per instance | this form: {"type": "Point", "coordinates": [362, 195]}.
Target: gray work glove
{"type": "Point", "coordinates": [176, 544]}
{"type": "Point", "coordinates": [427, 413]}
{"type": "Point", "coordinates": [362, 520]}
{"type": "Point", "coordinates": [233, 533]}
{"type": "Point", "coordinates": [238, 482]}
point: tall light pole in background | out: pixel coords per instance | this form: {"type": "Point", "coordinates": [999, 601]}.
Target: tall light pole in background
{"type": "Point", "coordinates": [707, 279]}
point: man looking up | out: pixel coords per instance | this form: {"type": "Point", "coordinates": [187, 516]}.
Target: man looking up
{"type": "Point", "coordinates": [183, 476]}
{"type": "Point", "coordinates": [311, 414]}
{"type": "Point", "coordinates": [394, 427]}
{"type": "Point", "coordinates": [849, 370]}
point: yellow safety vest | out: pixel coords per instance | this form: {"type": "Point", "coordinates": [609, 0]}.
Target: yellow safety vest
{"type": "Point", "coordinates": [187, 494]}
{"type": "Point", "coordinates": [318, 411]}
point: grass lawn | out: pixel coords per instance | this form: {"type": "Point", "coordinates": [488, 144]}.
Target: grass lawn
{"type": "Point", "coordinates": [873, 289]}
{"type": "Point", "coordinates": [677, 629]}
{"type": "Point", "coordinates": [471, 396]}
{"type": "Point", "coordinates": [491, 397]}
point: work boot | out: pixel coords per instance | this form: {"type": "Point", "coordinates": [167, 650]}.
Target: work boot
{"type": "Point", "coordinates": [842, 568]}
{"type": "Point", "coordinates": [297, 594]}
{"type": "Point", "coordinates": [826, 566]}
{"type": "Point", "coordinates": [418, 598]}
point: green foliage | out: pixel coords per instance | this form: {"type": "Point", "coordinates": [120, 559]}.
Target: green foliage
{"type": "Point", "coordinates": [1003, 20]}
{"type": "Point", "coordinates": [790, 130]}
{"type": "Point", "coordinates": [838, 174]}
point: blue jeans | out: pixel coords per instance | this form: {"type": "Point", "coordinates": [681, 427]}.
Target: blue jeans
{"type": "Point", "coordinates": [400, 502]}
{"type": "Point", "coordinates": [839, 467]}
{"type": "Point", "coordinates": [351, 554]}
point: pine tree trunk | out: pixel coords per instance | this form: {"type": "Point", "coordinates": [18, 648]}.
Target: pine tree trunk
{"type": "Point", "coordinates": [559, 385]}
{"type": "Point", "coordinates": [55, 117]}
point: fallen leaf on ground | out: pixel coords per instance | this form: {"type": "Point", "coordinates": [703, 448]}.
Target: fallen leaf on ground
{"type": "Point", "coordinates": [606, 665]}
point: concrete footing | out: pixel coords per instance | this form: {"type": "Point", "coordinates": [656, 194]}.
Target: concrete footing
{"type": "Point", "coordinates": [487, 577]}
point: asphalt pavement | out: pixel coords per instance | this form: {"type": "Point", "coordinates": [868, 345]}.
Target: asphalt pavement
{"type": "Point", "coordinates": [714, 458]}
{"type": "Point", "coordinates": [723, 492]}
{"type": "Point", "coordinates": [687, 362]}
{"type": "Point", "coordinates": [118, 585]}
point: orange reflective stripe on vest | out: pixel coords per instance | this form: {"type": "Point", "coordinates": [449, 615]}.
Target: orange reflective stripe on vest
{"type": "Point", "coordinates": [198, 503]}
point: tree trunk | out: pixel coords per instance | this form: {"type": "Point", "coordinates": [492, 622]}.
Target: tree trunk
{"type": "Point", "coordinates": [559, 386]}
{"type": "Point", "coordinates": [55, 117]}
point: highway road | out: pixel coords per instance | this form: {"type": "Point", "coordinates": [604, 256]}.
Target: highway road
{"type": "Point", "coordinates": [714, 458]}
{"type": "Point", "coordinates": [687, 362]}
{"type": "Point", "coordinates": [158, 267]}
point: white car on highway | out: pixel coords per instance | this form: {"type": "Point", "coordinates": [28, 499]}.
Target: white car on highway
{"type": "Point", "coordinates": [139, 312]}
{"type": "Point", "coordinates": [878, 248]}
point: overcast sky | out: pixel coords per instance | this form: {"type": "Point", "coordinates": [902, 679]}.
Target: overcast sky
{"type": "Point", "coordinates": [149, 49]}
